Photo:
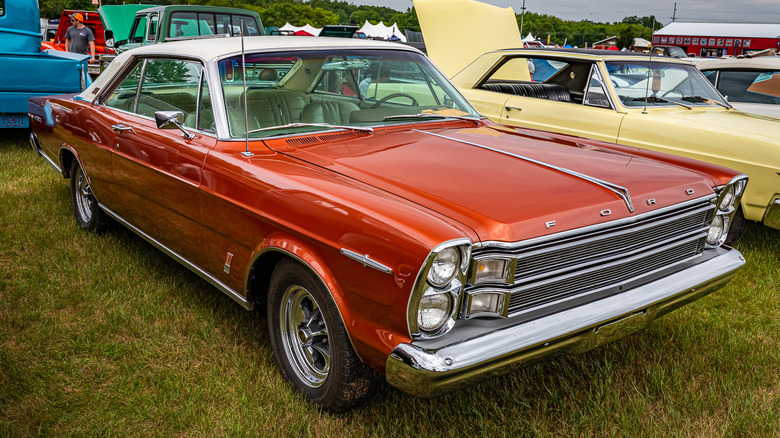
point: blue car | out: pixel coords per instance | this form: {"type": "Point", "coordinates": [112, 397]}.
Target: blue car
{"type": "Point", "coordinates": [25, 70]}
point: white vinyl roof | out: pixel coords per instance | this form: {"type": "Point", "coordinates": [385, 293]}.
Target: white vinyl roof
{"type": "Point", "coordinates": [759, 63]}
{"type": "Point", "coordinates": [737, 30]}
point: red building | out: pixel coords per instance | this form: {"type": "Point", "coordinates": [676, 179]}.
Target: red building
{"type": "Point", "coordinates": [719, 39]}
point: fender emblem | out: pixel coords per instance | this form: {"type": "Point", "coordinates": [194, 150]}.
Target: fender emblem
{"type": "Point", "coordinates": [549, 224]}
{"type": "Point", "coordinates": [606, 212]}
{"type": "Point", "coordinates": [651, 201]}
{"type": "Point", "coordinates": [228, 262]}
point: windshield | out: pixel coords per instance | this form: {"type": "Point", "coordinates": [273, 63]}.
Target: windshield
{"type": "Point", "coordinates": [304, 91]}
{"type": "Point", "coordinates": [663, 84]}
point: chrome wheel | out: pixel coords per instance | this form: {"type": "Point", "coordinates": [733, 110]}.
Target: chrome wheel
{"type": "Point", "coordinates": [304, 336]}
{"type": "Point", "coordinates": [84, 199]}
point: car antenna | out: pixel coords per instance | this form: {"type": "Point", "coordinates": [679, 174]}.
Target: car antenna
{"type": "Point", "coordinates": [647, 87]}
{"type": "Point", "coordinates": [246, 152]}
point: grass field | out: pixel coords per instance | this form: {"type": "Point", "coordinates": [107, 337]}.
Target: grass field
{"type": "Point", "coordinates": [103, 335]}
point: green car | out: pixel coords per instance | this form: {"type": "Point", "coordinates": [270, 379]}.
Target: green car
{"type": "Point", "coordinates": [179, 22]}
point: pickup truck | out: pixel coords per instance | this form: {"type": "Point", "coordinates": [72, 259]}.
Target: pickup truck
{"type": "Point", "coordinates": [180, 22]}
{"type": "Point", "coordinates": [27, 71]}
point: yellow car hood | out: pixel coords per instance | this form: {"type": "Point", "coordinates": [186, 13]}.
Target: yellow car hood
{"type": "Point", "coordinates": [458, 31]}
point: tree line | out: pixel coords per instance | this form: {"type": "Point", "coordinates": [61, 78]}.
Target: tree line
{"type": "Point", "coordinates": [323, 12]}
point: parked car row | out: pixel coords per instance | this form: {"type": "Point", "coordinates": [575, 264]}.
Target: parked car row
{"type": "Point", "coordinates": [655, 103]}
{"type": "Point", "coordinates": [383, 222]}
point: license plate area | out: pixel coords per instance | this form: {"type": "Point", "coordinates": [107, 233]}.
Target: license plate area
{"type": "Point", "coordinates": [611, 331]}
{"type": "Point", "coordinates": [13, 121]}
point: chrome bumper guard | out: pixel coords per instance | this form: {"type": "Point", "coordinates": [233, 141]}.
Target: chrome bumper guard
{"type": "Point", "coordinates": [429, 372]}
{"type": "Point", "coordinates": [772, 214]}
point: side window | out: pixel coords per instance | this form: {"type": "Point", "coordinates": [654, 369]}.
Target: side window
{"type": "Point", "coordinates": [711, 76]}
{"type": "Point", "coordinates": [223, 24]}
{"type": "Point", "coordinates": [250, 25]}
{"type": "Point", "coordinates": [170, 85]}
{"type": "Point", "coordinates": [595, 93]}
{"type": "Point", "coordinates": [2, 8]}
{"type": "Point", "coordinates": [151, 36]}
{"type": "Point", "coordinates": [139, 30]}
{"type": "Point", "coordinates": [183, 24]}
{"type": "Point", "coordinates": [124, 96]}
{"type": "Point", "coordinates": [205, 112]}
{"type": "Point", "coordinates": [206, 24]}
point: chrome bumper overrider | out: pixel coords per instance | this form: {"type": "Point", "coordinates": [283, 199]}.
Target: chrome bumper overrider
{"type": "Point", "coordinates": [427, 370]}
{"type": "Point", "coordinates": [772, 214]}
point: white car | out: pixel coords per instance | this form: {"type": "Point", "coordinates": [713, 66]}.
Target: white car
{"type": "Point", "coordinates": [751, 85]}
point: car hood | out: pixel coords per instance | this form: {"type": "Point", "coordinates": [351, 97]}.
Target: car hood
{"type": "Point", "coordinates": [505, 184]}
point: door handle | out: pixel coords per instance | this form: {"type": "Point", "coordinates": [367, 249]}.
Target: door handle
{"type": "Point", "coordinates": [120, 128]}
{"type": "Point", "coordinates": [510, 108]}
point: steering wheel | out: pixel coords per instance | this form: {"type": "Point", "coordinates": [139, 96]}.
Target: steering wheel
{"type": "Point", "coordinates": [393, 96]}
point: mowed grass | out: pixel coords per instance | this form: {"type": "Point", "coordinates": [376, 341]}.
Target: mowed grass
{"type": "Point", "coordinates": [103, 335]}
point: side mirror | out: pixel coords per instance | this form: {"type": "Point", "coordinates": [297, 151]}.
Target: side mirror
{"type": "Point", "coordinates": [109, 37]}
{"type": "Point", "coordinates": [172, 120]}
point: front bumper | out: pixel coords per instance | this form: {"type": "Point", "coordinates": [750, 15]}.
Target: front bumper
{"type": "Point", "coordinates": [426, 370]}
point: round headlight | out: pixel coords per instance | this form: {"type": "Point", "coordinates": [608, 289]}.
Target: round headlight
{"type": "Point", "coordinates": [444, 267]}
{"type": "Point", "coordinates": [434, 311]}
{"type": "Point", "coordinates": [727, 200]}
{"type": "Point", "coordinates": [717, 228]}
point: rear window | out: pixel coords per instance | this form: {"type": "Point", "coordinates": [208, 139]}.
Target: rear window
{"type": "Point", "coordinates": [190, 24]}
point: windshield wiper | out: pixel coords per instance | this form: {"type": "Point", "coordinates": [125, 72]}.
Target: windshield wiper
{"type": "Point", "coordinates": [656, 99]}
{"type": "Point", "coordinates": [430, 116]}
{"type": "Point", "coordinates": [319, 125]}
{"type": "Point", "coordinates": [704, 99]}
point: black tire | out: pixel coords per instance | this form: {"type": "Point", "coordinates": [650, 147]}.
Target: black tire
{"type": "Point", "coordinates": [88, 214]}
{"type": "Point", "coordinates": [738, 227]}
{"type": "Point", "coordinates": [310, 342]}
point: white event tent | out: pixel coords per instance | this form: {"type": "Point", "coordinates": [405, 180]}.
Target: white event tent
{"type": "Point", "coordinates": [306, 28]}
{"type": "Point", "coordinates": [382, 31]}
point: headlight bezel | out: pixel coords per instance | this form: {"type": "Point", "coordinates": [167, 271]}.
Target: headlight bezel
{"type": "Point", "coordinates": [726, 204]}
{"type": "Point", "coordinates": [454, 287]}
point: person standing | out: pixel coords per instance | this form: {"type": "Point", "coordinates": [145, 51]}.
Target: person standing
{"type": "Point", "coordinates": [79, 38]}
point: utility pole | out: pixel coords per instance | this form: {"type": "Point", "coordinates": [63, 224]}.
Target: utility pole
{"type": "Point", "coordinates": [522, 17]}
{"type": "Point", "coordinates": [674, 14]}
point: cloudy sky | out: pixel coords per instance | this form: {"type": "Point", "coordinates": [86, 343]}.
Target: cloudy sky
{"type": "Point", "coordinates": [742, 11]}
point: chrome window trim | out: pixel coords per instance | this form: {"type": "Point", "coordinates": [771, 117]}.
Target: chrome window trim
{"type": "Point", "coordinates": [122, 74]}
{"type": "Point", "coordinates": [510, 246]}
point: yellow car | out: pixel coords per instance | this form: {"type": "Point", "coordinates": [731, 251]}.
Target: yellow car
{"type": "Point", "coordinates": [634, 99]}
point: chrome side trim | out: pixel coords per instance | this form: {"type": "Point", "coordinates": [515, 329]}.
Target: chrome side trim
{"type": "Point", "coordinates": [431, 368]}
{"type": "Point", "coordinates": [366, 261]}
{"type": "Point", "coordinates": [188, 264]}
{"type": "Point", "coordinates": [509, 246]}
{"type": "Point", "coordinates": [621, 191]}
{"type": "Point", "coordinates": [36, 145]}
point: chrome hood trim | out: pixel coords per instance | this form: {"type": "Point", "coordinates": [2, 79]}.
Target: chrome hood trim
{"type": "Point", "coordinates": [621, 191]}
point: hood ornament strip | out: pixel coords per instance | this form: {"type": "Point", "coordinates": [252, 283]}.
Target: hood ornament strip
{"type": "Point", "coordinates": [621, 191]}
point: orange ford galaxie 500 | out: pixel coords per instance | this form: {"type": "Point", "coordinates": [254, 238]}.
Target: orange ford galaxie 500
{"type": "Point", "coordinates": [347, 188]}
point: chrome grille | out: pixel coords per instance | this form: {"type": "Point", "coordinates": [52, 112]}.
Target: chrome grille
{"type": "Point", "coordinates": [596, 262]}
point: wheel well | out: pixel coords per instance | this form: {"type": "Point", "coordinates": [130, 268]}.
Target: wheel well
{"type": "Point", "coordinates": [66, 160]}
{"type": "Point", "coordinates": [260, 277]}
